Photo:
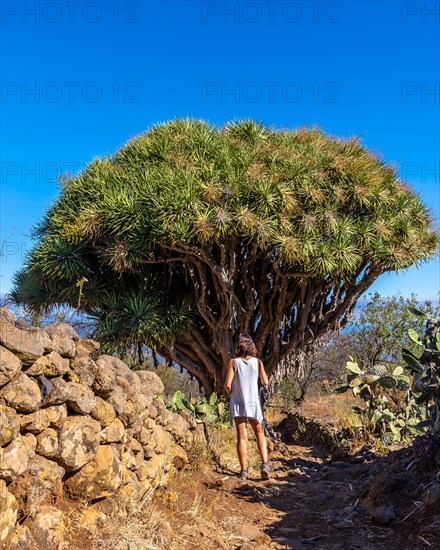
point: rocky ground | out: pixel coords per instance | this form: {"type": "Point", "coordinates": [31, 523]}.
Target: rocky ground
{"type": "Point", "coordinates": [369, 502]}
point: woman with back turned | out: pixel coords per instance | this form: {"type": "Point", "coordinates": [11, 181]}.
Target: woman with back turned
{"type": "Point", "coordinates": [242, 386]}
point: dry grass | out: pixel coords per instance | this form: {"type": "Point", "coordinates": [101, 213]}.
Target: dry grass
{"type": "Point", "coordinates": [163, 523]}
{"type": "Point", "coordinates": [222, 446]}
{"type": "Point", "coordinates": [148, 530]}
{"type": "Point", "coordinates": [274, 415]}
{"type": "Point", "coordinates": [181, 515]}
{"type": "Point", "coordinates": [223, 442]}
{"type": "Point", "coordinates": [333, 408]}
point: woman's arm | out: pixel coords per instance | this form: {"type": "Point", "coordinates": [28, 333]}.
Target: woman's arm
{"type": "Point", "coordinates": [229, 377]}
{"type": "Point", "coordinates": [262, 373]}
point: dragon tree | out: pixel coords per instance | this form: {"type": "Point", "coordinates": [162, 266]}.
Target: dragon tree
{"type": "Point", "coordinates": [190, 234]}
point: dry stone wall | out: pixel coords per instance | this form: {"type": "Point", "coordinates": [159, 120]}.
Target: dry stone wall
{"type": "Point", "coordinates": [76, 425]}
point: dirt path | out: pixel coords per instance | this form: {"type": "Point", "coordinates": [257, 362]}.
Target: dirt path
{"type": "Point", "coordinates": [306, 504]}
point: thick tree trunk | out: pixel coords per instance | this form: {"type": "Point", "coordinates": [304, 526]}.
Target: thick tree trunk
{"type": "Point", "coordinates": [236, 289]}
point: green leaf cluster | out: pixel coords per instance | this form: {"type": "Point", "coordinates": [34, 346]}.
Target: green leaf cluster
{"type": "Point", "coordinates": [209, 410]}
{"type": "Point", "coordinates": [383, 414]}
{"type": "Point", "coordinates": [426, 368]}
{"type": "Point", "coordinates": [315, 202]}
{"type": "Point", "coordinates": [379, 330]}
{"type": "Point", "coordinates": [416, 385]}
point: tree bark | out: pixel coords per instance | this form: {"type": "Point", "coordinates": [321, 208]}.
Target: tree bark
{"type": "Point", "coordinates": [235, 289]}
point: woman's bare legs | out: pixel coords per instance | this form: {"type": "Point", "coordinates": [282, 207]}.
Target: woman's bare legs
{"type": "Point", "coordinates": [261, 438]}
{"type": "Point", "coordinates": [240, 425]}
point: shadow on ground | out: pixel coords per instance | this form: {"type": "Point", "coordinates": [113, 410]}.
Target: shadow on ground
{"type": "Point", "coordinates": [366, 503]}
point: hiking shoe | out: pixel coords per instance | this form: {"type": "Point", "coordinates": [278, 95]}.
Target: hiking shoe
{"type": "Point", "coordinates": [265, 470]}
{"type": "Point", "coordinates": [244, 474]}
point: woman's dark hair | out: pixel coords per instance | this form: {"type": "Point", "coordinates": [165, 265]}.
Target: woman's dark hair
{"type": "Point", "coordinates": [245, 346]}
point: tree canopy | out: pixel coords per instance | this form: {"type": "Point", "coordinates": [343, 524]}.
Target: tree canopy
{"type": "Point", "coordinates": [191, 233]}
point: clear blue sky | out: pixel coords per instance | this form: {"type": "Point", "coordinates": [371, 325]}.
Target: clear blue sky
{"type": "Point", "coordinates": [102, 72]}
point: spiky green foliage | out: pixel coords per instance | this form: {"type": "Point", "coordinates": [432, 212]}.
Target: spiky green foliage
{"type": "Point", "coordinates": [274, 233]}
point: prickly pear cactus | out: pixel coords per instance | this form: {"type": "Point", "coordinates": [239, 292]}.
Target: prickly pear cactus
{"type": "Point", "coordinates": [381, 417]}
{"type": "Point", "coordinates": [426, 369]}
{"type": "Point", "coordinates": [400, 401]}
{"type": "Point", "coordinates": [209, 411]}
{"type": "Point", "coordinates": [377, 370]}
{"type": "Point", "coordinates": [387, 438]}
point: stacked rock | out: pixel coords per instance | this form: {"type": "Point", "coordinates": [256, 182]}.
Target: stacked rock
{"type": "Point", "coordinates": [76, 425]}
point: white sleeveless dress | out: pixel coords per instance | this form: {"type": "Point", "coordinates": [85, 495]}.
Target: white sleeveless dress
{"type": "Point", "coordinates": [244, 398]}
